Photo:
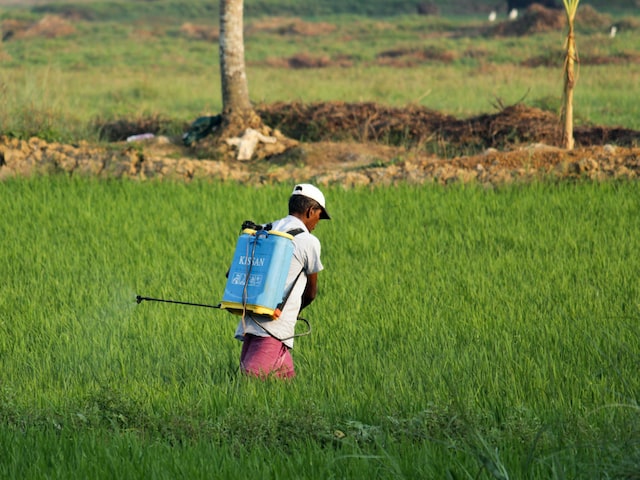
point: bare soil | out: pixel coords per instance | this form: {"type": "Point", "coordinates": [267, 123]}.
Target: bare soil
{"type": "Point", "coordinates": [352, 145]}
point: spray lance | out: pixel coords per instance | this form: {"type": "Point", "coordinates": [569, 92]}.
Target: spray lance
{"type": "Point", "coordinates": [261, 260]}
{"type": "Point", "coordinates": [140, 299]}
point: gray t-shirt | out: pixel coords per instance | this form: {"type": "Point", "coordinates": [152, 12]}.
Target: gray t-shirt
{"type": "Point", "coordinates": [306, 258]}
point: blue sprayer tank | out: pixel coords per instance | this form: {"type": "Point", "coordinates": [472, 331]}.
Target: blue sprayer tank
{"type": "Point", "coordinates": [258, 273]}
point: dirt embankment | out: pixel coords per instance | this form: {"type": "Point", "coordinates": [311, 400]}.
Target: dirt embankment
{"type": "Point", "coordinates": [354, 144]}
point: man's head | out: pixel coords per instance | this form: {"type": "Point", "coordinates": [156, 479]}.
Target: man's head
{"type": "Point", "coordinates": [307, 203]}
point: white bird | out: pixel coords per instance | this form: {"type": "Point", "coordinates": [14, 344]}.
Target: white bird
{"type": "Point", "coordinates": [513, 14]}
{"type": "Point", "coordinates": [613, 31]}
{"type": "Point", "coordinates": [492, 16]}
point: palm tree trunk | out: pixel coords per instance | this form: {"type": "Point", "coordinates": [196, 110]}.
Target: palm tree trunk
{"type": "Point", "coordinates": [571, 59]}
{"type": "Point", "coordinates": [569, 85]}
{"type": "Point", "coordinates": [235, 89]}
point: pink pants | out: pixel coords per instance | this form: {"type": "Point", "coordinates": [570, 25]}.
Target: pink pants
{"type": "Point", "coordinates": [264, 356]}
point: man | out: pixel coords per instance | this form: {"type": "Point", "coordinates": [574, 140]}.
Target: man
{"type": "Point", "coordinates": [267, 343]}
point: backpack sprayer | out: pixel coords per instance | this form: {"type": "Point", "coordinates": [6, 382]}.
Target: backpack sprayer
{"type": "Point", "coordinates": [257, 276]}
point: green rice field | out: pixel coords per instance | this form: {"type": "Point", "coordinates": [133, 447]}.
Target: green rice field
{"type": "Point", "coordinates": [459, 332]}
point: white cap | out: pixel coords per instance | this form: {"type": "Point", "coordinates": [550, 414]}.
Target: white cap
{"type": "Point", "coordinates": [314, 193]}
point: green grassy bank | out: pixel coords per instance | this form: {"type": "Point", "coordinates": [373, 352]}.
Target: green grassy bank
{"type": "Point", "coordinates": [113, 62]}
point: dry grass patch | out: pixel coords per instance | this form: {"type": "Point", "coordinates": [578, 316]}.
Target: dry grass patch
{"type": "Point", "coordinates": [409, 57]}
{"type": "Point", "coordinates": [49, 26]}
{"type": "Point", "coordinates": [300, 60]}
{"type": "Point", "coordinates": [538, 19]}
{"type": "Point", "coordinates": [200, 32]}
{"type": "Point", "coordinates": [290, 26]}
{"type": "Point", "coordinates": [304, 60]}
